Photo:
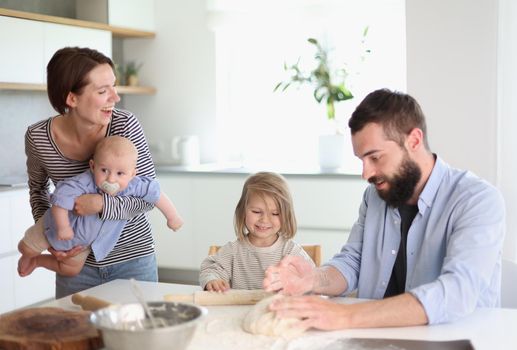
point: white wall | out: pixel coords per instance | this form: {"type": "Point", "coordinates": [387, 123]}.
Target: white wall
{"type": "Point", "coordinates": [507, 72]}
{"type": "Point", "coordinates": [180, 63]}
{"type": "Point", "coordinates": [451, 50]}
{"type": "Point", "coordinates": [452, 72]}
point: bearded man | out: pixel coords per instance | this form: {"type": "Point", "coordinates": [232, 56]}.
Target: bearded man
{"type": "Point", "coordinates": [427, 244]}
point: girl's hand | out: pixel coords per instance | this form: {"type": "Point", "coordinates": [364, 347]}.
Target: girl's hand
{"type": "Point", "coordinates": [88, 204]}
{"type": "Point", "coordinates": [217, 286]}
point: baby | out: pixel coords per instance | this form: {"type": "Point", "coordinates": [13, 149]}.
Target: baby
{"type": "Point", "coordinates": [113, 171]}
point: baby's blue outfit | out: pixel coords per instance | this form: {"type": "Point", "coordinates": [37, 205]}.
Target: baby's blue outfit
{"type": "Point", "coordinates": [102, 235]}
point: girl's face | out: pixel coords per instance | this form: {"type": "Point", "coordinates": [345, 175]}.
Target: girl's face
{"type": "Point", "coordinates": [96, 102]}
{"type": "Point", "coordinates": [262, 220]}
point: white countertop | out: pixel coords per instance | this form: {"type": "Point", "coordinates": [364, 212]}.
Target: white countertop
{"type": "Point", "coordinates": [486, 328]}
{"type": "Point", "coordinates": [239, 169]}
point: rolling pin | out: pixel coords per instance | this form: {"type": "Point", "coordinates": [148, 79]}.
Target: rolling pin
{"type": "Point", "coordinates": [230, 297]}
{"type": "Point", "coordinates": [89, 303]}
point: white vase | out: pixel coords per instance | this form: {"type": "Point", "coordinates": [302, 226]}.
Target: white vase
{"type": "Point", "coordinates": [331, 151]}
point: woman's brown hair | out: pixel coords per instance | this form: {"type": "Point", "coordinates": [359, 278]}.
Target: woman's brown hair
{"type": "Point", "coordinates": [67, 72]}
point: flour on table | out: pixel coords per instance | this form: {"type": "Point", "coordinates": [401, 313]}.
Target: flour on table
{"type": "Point", "coordinates": [261, 320]}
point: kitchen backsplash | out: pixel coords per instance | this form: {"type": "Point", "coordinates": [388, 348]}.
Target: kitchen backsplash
{"type": "Point", "coordinates": [18, 110]}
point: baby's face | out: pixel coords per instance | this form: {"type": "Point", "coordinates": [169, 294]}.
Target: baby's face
{"type": "Point", "coordinates": [112, 173]}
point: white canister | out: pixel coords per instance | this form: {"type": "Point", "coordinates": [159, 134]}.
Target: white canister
{"type": "Point", "coordinates": [185, 150]}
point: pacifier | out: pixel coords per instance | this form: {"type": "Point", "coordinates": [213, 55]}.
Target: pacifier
{"type": "Point", "coordinates": [110, 188]}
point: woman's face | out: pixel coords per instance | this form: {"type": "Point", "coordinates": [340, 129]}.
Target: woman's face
{"type": "Point", "coordinates": [96, 102]}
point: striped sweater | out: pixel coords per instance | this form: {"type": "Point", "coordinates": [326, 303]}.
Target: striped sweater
{"type": "Point", "coordinates": [46, 162]}
{"type": "Point", "coordinates": [243, 265]}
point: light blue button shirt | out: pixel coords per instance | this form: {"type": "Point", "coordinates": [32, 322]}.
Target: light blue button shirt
{"type": "Point", "coordinates": [102, 235]}
{"type": "Point", "coordinates": [454, 245]}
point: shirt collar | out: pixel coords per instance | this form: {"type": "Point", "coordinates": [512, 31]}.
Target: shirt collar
{"type": "Point", "coordinates": [428, 194]}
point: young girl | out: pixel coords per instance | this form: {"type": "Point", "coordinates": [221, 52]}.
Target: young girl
{"type": "Point", "coordinates": [264, 224]}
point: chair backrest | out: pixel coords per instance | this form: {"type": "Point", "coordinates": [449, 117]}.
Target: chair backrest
{"type": "Point", "coordinates": [314, 251]}
{"type": "Point", "coordinates": [509, 284]}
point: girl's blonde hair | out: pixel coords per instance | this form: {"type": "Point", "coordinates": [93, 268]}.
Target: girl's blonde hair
{"type": "Point", "coordinates": [266, 184]}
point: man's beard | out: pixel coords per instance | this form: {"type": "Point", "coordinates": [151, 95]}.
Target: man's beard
{"type": "Point", "coordinates": [401, 186]}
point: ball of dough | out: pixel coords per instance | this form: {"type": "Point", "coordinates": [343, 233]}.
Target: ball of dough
{"type": "Point", "coordinates": [261, 320]}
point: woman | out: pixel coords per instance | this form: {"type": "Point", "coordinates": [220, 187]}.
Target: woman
{"type": "Point", "coordinates": [81, 88]}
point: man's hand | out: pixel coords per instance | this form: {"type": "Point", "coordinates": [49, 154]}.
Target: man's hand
{"type": "Point", "coordinates": [293, 275]}
{"type": "Point", "coordinates": [316, 312]}
{"type": "Point", "coordinates": [313, 311]}
{"type": "Point", "coordinates": [217, 286]}
{"type": "Point", "coordinates": [88, 204]}
{"type": "Point", "coordinates": [61, 255]}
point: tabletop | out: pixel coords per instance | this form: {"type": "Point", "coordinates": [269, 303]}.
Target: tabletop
{"type": "Point", "coordinates": [486, 328]}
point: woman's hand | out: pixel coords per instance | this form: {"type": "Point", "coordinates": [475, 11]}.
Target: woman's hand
{"type": "Point", "coordinates": [61, 255]}
{"type": "Point", "coordinates": [88, 204]}
{"type": "Point", "coordinates": [217, 286]}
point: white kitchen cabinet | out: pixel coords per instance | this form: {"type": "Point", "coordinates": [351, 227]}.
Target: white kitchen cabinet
{"type": "Point", "coordinates": [16, 292]}
{"type": "Point", "coordinates": [5, 239]}
{"type": "Point", "coordinates": [325, 207]}
{"type": "Point", "coordinates": [7, 302]}
{"type": "Point", "coordinates": [35, 288]}
{"type": "Point", "coordinates": [22, 58]}
{"type": "Point", "coordinates": [136, 14]}
{"type": "Point", "coordinates": [27, 46]}
{"type": "Point", "coordinates": [206, 204]}
{"type": "Point", "coordinates": [30, 39]}
{"type": "Point", "coordinates": [57, 36]}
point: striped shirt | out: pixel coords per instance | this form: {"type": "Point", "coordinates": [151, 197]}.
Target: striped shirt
{"type": "Point", "coordinates": [242, 264]}
{"type": "Point", "coordinates": [46, 162]}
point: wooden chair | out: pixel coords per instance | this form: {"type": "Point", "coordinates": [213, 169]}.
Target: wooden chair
{"type": "Point", "coordinates": [314, 251]}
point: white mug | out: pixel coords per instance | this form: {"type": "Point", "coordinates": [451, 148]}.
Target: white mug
{"type": "Point", "coordinates": [185, 150]}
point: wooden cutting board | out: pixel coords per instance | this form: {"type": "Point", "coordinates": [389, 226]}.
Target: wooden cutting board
{"type": "Point", "coordinates": [48, 329]}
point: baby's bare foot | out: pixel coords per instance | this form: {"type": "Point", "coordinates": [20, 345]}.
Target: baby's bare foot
{"type": "Point", "coordinates": [26, 265]}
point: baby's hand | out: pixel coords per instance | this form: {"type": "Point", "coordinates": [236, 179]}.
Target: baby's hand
{"type": "Point", "coordinates": [65, 234]}
{"type": "Point", "coordinates": [217, 286]}
{"type": "Point", "coordinates": [175, 224]}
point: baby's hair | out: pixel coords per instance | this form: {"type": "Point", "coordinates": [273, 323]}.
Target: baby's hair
{"type": "Point", "coordinates": [266, 184]}
{"type": "Point", "coordinates": [118, 146]}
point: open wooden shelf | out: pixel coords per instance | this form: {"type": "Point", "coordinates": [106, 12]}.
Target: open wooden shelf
{"type": "Point", "coordinates": [123, 90]}
{"type": "Point", "coordinates": [116, 31]}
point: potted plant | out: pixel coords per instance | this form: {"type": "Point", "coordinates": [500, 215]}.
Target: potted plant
{"type": "Point", "coordinates": [119, 74]}
{"type": "Point", "coordinates": [131, 73]}
{"type": "Point", "coordinates": [329, 86]}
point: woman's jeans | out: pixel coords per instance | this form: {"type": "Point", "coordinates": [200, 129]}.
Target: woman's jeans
{"type": "Point", "coordinates": [142, 269]}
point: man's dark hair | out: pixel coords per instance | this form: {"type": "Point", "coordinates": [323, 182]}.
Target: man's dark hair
{"type": "Point", "coordinates": [396, 112]}
{"type": "Point", "coordinates": [67, 72]}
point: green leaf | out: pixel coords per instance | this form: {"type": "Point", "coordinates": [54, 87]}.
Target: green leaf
{"type": "Point", "coordinates": [323, 77]}
{"type": "Point", "coordinates": [331, 111]}
{"type": "Point", "coordinates": [320, 93]}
